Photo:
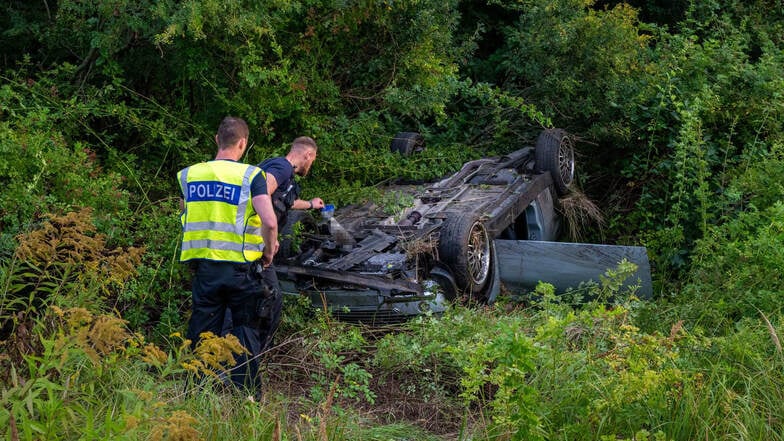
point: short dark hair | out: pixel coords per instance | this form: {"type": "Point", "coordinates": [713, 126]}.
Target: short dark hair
{"type": "Point", "coordinates": [304, 141]}
{"type": "Point", "coordinates": [231, 130]}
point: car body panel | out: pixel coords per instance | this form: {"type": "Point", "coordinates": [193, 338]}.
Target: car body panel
{"type": "Point", "coordinates": [523, 264]}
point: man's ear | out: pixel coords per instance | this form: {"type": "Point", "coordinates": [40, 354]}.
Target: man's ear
{"type": "Point", "coordinates": [216, 140]}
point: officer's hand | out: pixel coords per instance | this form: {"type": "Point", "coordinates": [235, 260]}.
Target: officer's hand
{"type": "Point", "coordinates": [268, 255]}
{"type": "Point", "coordinates": [318, 203]}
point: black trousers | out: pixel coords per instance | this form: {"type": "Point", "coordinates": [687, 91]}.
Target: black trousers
{"type": "Point", "coordinates": [270, 309]}
{"type": "Point", "coordinates": [219, 287]}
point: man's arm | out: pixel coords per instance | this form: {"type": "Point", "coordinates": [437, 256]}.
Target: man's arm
{"type": "Point", "coordinates": [272, 183]}
{"type": "Point", "coordinates": [269, 226]}
{"type": "Point", "coordinates": [302, 204]}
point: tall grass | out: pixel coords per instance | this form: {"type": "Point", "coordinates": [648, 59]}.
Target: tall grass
{"type": "Point", "coordinates": [536, 367]}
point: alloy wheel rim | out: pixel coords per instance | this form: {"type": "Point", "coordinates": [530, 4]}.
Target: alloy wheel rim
{"type": "Point", "coordinates": [566, 160]}
{"type": "Point", "coordinates": [478, 255]}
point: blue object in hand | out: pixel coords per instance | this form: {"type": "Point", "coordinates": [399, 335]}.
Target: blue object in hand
{"type": "Point", "coordinates": [327, 211]}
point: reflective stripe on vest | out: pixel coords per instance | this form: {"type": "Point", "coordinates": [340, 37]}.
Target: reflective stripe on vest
{"type": "Point", "coordinates": [219, 222]}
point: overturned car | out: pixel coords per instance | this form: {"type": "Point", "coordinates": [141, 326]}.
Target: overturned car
{"type": "Point", "coordinates": [368, 265]}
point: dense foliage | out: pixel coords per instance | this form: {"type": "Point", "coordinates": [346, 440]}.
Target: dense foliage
{"type": "Point", "coordinates": [678, 109]}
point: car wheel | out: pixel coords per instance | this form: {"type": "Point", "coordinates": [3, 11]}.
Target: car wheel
{"type": "Point", "coordinates": [466, 248]}
{"type": "Point", "coordinates": [407, 143]}
{"type": "Point", "coordinates": [554, 153]}
{"type": "Point", "coordinates": [289, 243]}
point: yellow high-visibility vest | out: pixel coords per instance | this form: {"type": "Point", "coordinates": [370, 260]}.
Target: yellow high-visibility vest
{"type": "Point", "coordinates": [219, 222]}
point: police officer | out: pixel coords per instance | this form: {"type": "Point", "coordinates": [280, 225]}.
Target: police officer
{"type": "Point", "coordinates": [229, 236]}
{"type": "Point", "coordinates": [281, 185]}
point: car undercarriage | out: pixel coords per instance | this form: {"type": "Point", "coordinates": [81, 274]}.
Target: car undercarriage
{"type": "Point", "coordinates": [364, 263]}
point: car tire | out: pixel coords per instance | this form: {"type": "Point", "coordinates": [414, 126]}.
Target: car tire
{"type": "Point", "coordinates": [407, 143]}
{"type": "Point", "coordinates": [466, 248]}
{"type": "Point", "coordinates": [554, 153]}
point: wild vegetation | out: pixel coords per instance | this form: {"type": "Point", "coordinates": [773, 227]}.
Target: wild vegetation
{"type": "Point", "coordinates": [678, 109]}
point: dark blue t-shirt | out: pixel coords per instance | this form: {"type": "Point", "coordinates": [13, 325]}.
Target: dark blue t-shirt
{"type": "Point", "coordinates": [258, 185]}
{"type": "Point", "coordinates": [283, 171]}
{"type": "Point", "coordinates": [288, 190]}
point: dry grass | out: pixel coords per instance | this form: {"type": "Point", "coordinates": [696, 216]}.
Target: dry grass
{"type": "Point", "coordinates": [772, 331]}
{"type": "Point", "coordinates": [580, 213]}
{"type": "Point", "coordinates": [421, 246]}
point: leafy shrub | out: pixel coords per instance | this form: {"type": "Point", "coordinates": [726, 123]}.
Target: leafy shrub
{"type": "Point", "coordinates": [44, 172]}
{"type": "Point", "coordinates": [93, 377]}
{"type": "Point", "coordinates": [577, 372]}
{"type": "Point", "coordinates": [64, 262]}
{"type": "Point", "coordinates": [696, 142]}
{"type": "Point", "coordinates": [343, 377]}
{"type": "Point", "coordinates": [734, 274]}
{"type": "Point", "coordinates": [736, 271]}
{"type": "Point", "coordinates": [587, 58]}
{"type": "Point", "coordinates": [598, 370]}
{"type": "Point", "coordinates": [466, 347]}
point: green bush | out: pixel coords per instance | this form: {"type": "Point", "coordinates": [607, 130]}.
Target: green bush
{"type": "Point", "coordinates": [44, 172]}
{"type": "Point", "coordinates": [550, 371]}
{"type": "Point", "coordinates": [735, 267]}
{"type": "Point", "coordinates": [736, 271]}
